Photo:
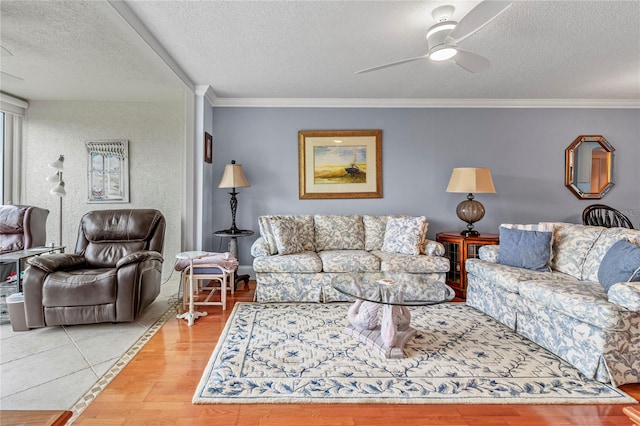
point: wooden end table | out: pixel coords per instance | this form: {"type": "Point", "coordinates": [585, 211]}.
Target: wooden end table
{"type": "Point", "coordinates": [459, 248]}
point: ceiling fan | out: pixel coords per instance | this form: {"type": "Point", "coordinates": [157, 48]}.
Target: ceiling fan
{"type": "Point", "coordinates": [443, 38]}
{"type": "Point", "coordinates": [5, 52]}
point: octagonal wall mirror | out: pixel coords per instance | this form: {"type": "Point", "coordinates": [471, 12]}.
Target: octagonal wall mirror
{"type": "Point", "coordinates": [589, 167]}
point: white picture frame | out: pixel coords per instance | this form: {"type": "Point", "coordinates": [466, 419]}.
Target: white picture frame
{"type": "Point", "coordinates": [108, 171]}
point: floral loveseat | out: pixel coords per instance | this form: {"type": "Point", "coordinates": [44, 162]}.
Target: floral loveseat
{"type": "Point", "coordinates": [583, 302]}
{"type": "Point", "coordinates": [297, 256]}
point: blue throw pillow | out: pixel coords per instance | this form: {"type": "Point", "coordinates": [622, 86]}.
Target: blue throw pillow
{"type": "Point", "coordinates": [620, 264]}
{"type": "Point", "coordinates": [525, 249]}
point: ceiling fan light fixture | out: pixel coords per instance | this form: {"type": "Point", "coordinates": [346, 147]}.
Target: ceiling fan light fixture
{"type": "Point", "coordinates": [442, 26]}
{"type": "Point", "coordinates": [442, 53]}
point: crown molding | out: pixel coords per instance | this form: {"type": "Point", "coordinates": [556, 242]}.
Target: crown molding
{"type": "Point", "coordinates": [207, 92]}
{"type": "Point", "coordinates": [424, 103]}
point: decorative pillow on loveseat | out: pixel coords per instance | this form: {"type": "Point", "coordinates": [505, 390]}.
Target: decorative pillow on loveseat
{"type": "Point", "coordinates": [405, 235]}
{"type": "Point", "coordinates": [525, 249]}
{"type": "Point", "coordinates": [374, 227]}
{"type": "Point", "coordinates": [339, 232]}
{"type": "Point", "coordinates": [306, 233]}
{"type": "Point", "coordinates": [285, 232]}
{"type": "Point", "coordinates": [620, 264]}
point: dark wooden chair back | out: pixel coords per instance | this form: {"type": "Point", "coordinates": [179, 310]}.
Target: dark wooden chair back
{"type": "Point", "coordinates": [602, 215]}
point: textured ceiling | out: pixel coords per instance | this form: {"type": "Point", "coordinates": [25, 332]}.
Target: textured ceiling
{"type": "Point", "coordinates": [539, 50]}
{"type": "Point", "coordinates": [78, 50]}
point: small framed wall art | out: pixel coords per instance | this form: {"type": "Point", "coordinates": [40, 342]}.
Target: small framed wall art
{"type": "Point", "coordinates": [108, 171]}
{"type": "Point", "coordinates": [340, 164]}
{"type": "Point", "coordinates": [208, 148]}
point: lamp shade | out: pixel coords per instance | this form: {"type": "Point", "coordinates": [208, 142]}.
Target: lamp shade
{"type": "Point", "coordinates": [54, 177]}
{"type": "Point", "coordinates": [233, 177]}
{"type": "Point", "coordinates": [58, 164]}
{"type": "Point", "coordinates": [58, 190]}
{"type": "Point", "coordinates": [471, 180]}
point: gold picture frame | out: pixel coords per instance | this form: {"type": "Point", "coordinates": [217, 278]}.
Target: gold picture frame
{"type": "Point", "coordinates": [340, 164]}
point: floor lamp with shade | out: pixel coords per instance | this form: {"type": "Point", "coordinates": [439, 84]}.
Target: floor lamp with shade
{"type": "Point", "coordinates": [58, 190]}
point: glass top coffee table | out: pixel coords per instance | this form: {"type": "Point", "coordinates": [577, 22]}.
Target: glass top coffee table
{"type": "Point", "coordinates": [387, 332]}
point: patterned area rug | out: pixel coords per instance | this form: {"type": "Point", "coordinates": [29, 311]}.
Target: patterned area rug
{"type": "Point", "coordinates": [298, 353]}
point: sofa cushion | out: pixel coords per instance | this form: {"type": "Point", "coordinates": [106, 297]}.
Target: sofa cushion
{"type": "Point", "coordinates": [510, 277]}
{"type": "Point", "coordinates": [285, 232]}
{"type": "Point", "coordinates": [571, 244]}
{"type": "Point", "coordinates": [397, 262]}
{"type": "Point", "coordinates": [620, 264]}
{"type": "Point", "coordinates": [306, 234]}
{"type": "Point", "coordinates": [348, 261]}
{"type": "Point", "coordinates": [585, 301]}
{"type": "Point", "coordinates": [525, 249]}
{"type": "Point", "coordinates": [405, 235]}
{"type": "Point", "coordinates": [374, 227]}
{"type": "Point", "coordinates": [306, 262]}
{"type": "Point", "coordinates": [335, 232]}
{"type": "Point", "coordinates": [605, 241]}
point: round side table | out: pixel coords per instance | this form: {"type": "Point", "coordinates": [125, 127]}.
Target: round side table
{"type": "Point", "coordinates": [233, 246]}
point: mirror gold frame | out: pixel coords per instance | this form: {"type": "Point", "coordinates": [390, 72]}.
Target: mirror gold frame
{"type": "Point", "coordinates": [589, 167]}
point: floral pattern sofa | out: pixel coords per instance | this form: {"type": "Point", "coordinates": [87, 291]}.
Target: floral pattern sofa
{"type": "Point", "coordinates": [567, 309]}
{"type": "Point", "coordinates": [297, 256]}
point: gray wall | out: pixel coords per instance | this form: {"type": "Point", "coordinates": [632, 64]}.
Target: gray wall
{"type": "Point", "coordinates": [155, 131]}
{"type": "Point", "coordinates": [524, 148]}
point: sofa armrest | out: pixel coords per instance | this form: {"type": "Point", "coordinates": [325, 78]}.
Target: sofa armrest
{"type": "Point", "coordinates": [489, 253]}
{"type": "Point", "coordinates": [433, 248]}
{"type": "Point", "coordinates": [139, 256]}
{"type": "Point", "coordinates": [57, 262]}
{"type": "Point", "coordinates": [260, 248]}
{"type": "Point", "coordinates": [626, 295]}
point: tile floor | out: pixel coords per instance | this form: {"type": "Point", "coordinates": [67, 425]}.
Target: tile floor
{"type": "Point", "coordinates": [52, 367]}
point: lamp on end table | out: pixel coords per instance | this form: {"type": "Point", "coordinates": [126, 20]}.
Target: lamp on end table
{"type": "Point", "coordinates": [233, 177]}
{"type": "Point", "coordinates": [470, 180]}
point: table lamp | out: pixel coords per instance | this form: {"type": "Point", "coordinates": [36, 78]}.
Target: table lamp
{"type": "Point", "coordinates": [470, 180]}
{"type": "Point", "coordinates": [233, 177]}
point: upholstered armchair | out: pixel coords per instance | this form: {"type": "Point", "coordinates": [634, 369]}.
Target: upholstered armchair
{"type": "Point", "coordinates": [22, 227]}
{"type": "Point", "coordinates": [114, 274]}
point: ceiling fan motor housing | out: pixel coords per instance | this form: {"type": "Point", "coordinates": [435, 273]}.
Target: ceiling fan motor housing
{"type": "Point", "coordinates": [437, 34]}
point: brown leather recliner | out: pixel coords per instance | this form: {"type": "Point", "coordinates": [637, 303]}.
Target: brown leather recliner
{"type": "Point", "coordinates": [114, 274]}
{"type": "Point", "coordinates": [22, 227]}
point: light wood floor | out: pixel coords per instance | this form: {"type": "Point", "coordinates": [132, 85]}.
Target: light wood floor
{"type": "Point", "coordinates": [157, 385]}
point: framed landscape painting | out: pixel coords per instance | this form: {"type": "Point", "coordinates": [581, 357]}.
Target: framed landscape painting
{"type": "Point", "coordinates": [340, 164]}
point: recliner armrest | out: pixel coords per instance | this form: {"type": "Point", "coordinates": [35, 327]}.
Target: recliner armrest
{"type": "Point", "coordinates": [139, 256]}
{"type": "Point", "coordinates": [57, 262]}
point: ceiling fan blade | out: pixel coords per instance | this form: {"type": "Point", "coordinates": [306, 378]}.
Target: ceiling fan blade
{"type": "Point", "coordinates": [471, 62]}
{"type": "Point", "coordinates": [6, 74]}
{"type": "Point", "coordinates": [379, 67]}
{"type": "Point", "coordinates": [479, 16]}
{"type": "Point", "coordinates": [5, 52]}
